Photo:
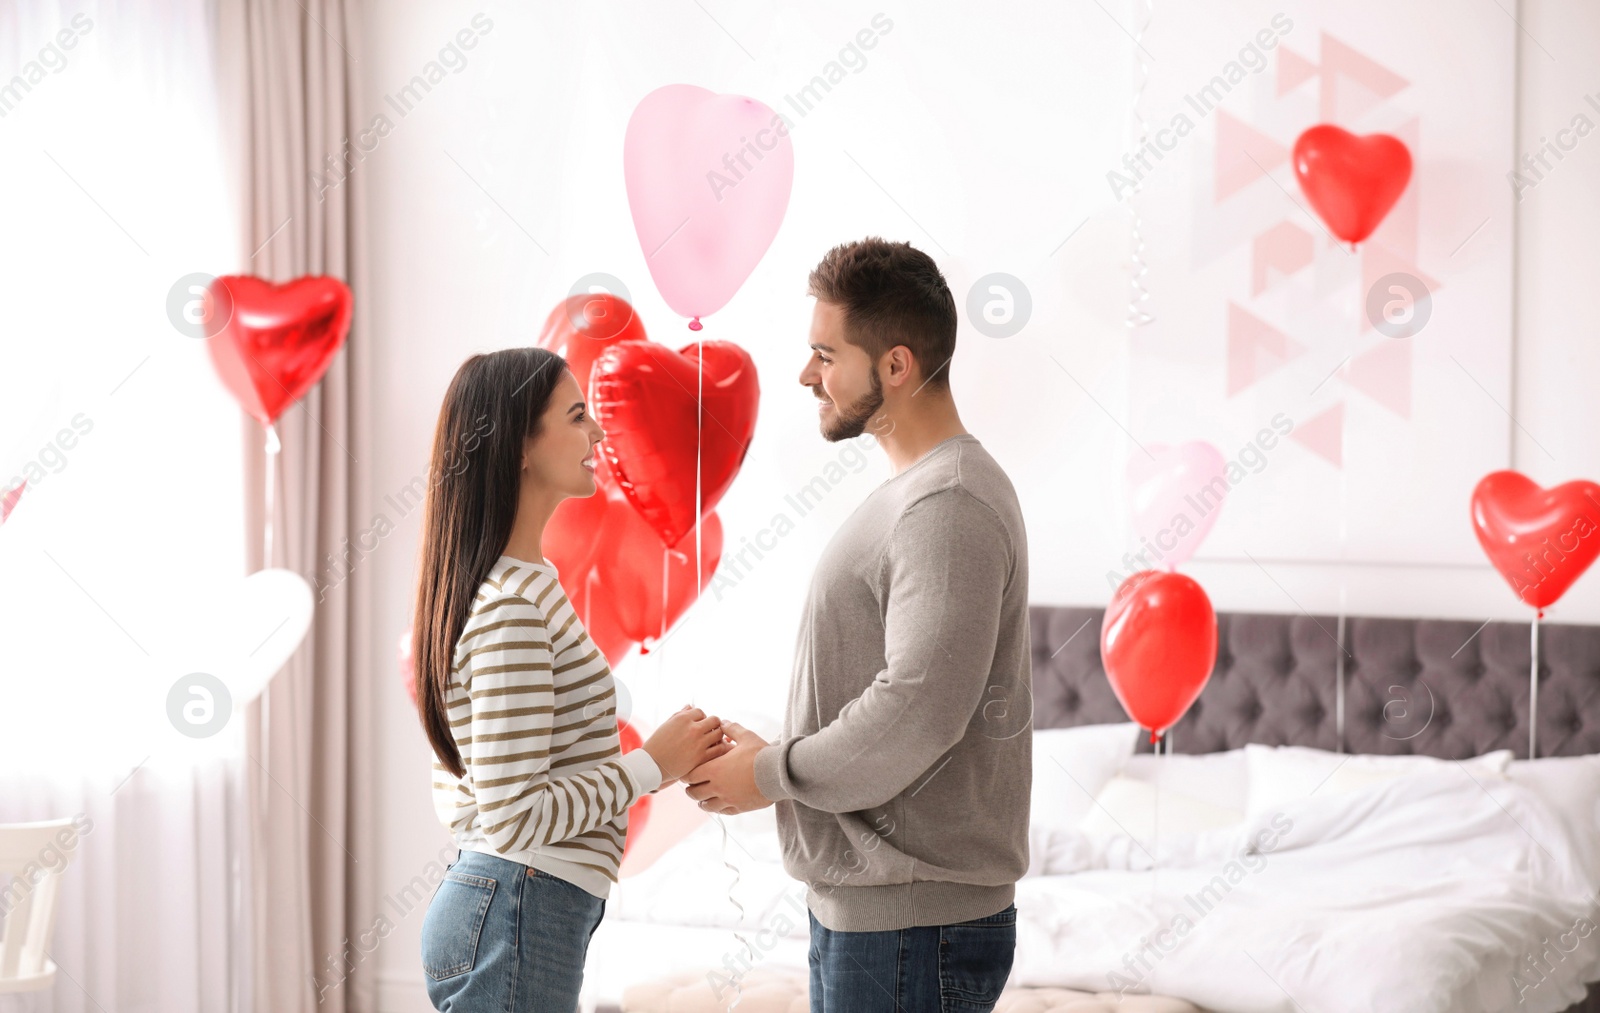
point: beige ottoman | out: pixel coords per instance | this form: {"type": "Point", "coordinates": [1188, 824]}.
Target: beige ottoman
{"type": "Point", "coordinates": [1048, 1000]}
{"type": "Point", "coordinates": [784, 991]}
{"type": "Point", "coordinates": [765, 990]}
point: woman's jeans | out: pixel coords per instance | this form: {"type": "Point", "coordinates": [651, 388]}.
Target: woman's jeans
{"type": "Point", "coordinates": [501, 936]}
{"type": "Point", "coordinates": [925, 969]}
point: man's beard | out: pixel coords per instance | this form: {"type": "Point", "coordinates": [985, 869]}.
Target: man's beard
{"type": "Point", "coordinates": [851, 420]}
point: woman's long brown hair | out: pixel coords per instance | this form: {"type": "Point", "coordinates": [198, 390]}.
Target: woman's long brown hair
{"type": "Point", "coordinates": [494, 402]}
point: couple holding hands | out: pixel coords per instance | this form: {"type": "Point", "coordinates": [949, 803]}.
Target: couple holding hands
{"type": "Point", "coordinates": [899, 804]}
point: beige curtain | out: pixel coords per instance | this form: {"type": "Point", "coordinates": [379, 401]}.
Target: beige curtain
{"type": "Point", "coordinates": [288, 86]}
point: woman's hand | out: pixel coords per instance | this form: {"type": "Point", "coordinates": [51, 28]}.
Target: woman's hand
{"type": "Point", "coordinates": [728, 785]}
{"type": "Point", "coordinates": [684, 741]}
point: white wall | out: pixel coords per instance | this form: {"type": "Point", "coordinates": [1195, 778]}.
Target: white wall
{"type": "Point", "coordinates": [983, 141]}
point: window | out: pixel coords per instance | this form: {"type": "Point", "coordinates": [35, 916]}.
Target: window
{"type": "Point", "coordinates": [132, 514]}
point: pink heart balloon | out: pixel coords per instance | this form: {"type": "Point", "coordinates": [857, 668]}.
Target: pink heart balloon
{"type": "Point", "coordinates": [8, 501]}
{"type": "Point", "coordinates": [708, 180]}
{"type": "Point", "coordinates": [1174, 496]}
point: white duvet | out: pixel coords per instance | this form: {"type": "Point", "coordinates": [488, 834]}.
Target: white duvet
{"type": "Point", "coordinates": [1422, 894]}
{"type": "Point", "coordinates": [1425, 893]}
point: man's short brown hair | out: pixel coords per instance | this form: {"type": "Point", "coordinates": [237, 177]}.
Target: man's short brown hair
{"type": "Point", "coordinates": [892, 294]}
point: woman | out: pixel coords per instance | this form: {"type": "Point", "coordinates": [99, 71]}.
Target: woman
{"type": "Point", "coordinates": [517, 702]}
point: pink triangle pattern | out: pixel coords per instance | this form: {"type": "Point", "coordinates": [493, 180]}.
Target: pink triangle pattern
{"type": "Point", "coordinates": [1383, 373]}
{"type": "Point", "coordinates": [1342, 63]}
{"type": "Point", "coordinates": [1243, 152]}
{"type": "Point", "coordinates": [1255, 348]}
{"type": "Point", "coordinates": [1323, 435]}
{"type": "Point", "coordinates": [1282, 250]}
{"type": "Point", "coordinates": [1293, 70]}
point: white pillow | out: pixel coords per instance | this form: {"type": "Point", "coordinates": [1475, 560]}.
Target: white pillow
{"type": "Point", "coordinates": [1287, 773]}
{"type": "Point", "coordinates": [1142, 810]}
{"type": "Point", "coordinates": [1570, 785]}
{"type": "Point", "coordinates": [1071, 765]}
{"type": "Point", "coordinates": [1217, 778]}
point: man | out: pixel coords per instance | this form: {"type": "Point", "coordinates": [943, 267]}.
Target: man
{"type": "Point", "coordinates": [901, 786]}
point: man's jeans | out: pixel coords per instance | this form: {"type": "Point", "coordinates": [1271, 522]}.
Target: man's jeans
{"type": "Point", "coordinates": [916, 970]}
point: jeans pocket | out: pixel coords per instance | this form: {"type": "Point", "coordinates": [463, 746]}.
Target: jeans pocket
{"type": "Point", "coordinates": [454, 921]}
{"type": "Point", "coordinates": [975, 960]}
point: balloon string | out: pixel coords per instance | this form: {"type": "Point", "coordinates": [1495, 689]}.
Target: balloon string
{"type": "Point", "coordinates": [699, 583]}
{"type": "Point", "coordinates": [1344, 585]}
{"type": "Point", "coordinates": [1533, 688]}
{"type": "Point", "coordinates": [699, 423]}
{"type": "Point", "coordinates": [1138, 296]}
{"type": "Point", "coordinates": [738, 989]}
{"type": "Point", "coordinates": [588, 594]}
{"type": "Point", "coordinates": [273, 446]}
{"type": "Point", "coordinates": [1155, 829]}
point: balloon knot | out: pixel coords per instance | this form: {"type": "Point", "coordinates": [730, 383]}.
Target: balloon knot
{"type": "Point", "coordinates": [695, 325]}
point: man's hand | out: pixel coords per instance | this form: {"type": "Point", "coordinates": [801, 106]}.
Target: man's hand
{"type": "Point", "coordinates": [727, 784]}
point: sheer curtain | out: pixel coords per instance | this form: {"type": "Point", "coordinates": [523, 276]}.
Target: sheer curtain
{"type": "Point", "coordinates": [129, 524]}
{"type": "Point", "coordinates": [287, 93]}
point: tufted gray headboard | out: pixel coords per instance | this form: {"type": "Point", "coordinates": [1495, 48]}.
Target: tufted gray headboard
{"type": "Point", "coordinates": [1439, 687]}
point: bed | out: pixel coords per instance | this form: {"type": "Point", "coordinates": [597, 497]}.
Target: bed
{"type": "Point", "coordinates": [1461, 886]}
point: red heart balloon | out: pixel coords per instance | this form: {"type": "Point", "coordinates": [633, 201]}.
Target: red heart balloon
{"type": "Point", "coordinates": [643, 395]}
{"type": "Point", "coordinates": [572, 535]}
{"type": "Point", "coordinates": [632, 600]}
{"type": "Point", "coordinates": [639, 812]}
{"type": "Point", "coordinates": [1158, 645]}
{"type": "Point", "coordinates": [1351, 181]}
{"type": "Point", "coordinates": [279, 339]}
{"type": "Point", "coordinates": [1541, 540]}
{"type": "Point", "coordinates": [576, 549]}
{"type": "Point", "coordinates": [612, 574]}
{"type": "Point", "coordinates": [583, 326]}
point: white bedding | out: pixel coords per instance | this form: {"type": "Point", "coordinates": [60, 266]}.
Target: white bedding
{"type": "Point", "coordinates": [675, 915]}
{"type": "Point", "coordinates": [624, 953]}
{"type": "Point", "coordinates": [689, 885]}
{"type": "Point", "coordinates": [1419, 893]}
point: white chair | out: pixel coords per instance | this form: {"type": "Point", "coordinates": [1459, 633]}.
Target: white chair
{"type": "Point", "coordinates": [32, 859]}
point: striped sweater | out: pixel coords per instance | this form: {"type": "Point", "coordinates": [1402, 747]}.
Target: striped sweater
{"type": "Point", "coordinates": [533, 710]}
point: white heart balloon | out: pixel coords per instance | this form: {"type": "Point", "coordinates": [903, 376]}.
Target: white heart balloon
{"type": "Point", "coordinates": [248, 635]}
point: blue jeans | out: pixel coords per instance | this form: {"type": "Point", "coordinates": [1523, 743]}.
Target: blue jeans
{"type": "Point", "coordinates": [501, 936]}
{"type": "Point", "coordinates": [917, 970]}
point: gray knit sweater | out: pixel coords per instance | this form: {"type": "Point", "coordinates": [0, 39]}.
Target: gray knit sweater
{"type": "Point", "coordinates": [903, 770]}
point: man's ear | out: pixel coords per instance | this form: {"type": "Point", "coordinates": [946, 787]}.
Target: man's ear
{"type": "Point", "coordinates": [900, 364]}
